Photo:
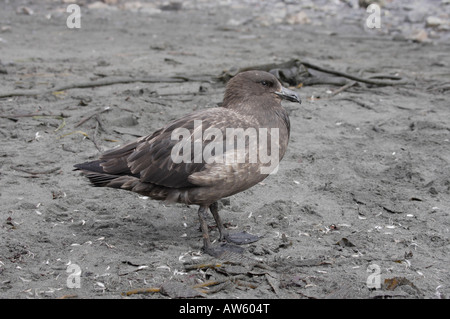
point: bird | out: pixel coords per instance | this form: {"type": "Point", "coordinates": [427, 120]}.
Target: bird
{"type": "Point", "coordinates": [206, 155]}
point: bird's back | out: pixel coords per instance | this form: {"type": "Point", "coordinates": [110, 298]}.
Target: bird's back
{"type": "Point", "coordinates": [192, 159]}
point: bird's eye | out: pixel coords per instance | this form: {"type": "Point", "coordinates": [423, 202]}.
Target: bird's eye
{"type": "Point", "coordinates": [265, 83]}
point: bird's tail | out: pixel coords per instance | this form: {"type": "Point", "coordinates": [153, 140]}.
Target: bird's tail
{"type": "Point", "coordinates": [95, 172]}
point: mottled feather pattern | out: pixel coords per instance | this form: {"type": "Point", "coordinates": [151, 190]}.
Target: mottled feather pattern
{"type": "Point", "coordinates": [145, 166]}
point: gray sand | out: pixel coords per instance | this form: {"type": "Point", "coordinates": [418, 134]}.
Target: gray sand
{"type": "Point", "coordinates": [364, 189]}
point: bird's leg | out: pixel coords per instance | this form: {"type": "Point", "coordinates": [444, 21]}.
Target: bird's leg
{"type": "Point", "coordinates": [237, 238]}
{"type": "Point", "coordinates": [217, 251]}
{"type": "Point", "coordinates": [204, 227]}
{"type": "Point", "coordinates": [223, 233]}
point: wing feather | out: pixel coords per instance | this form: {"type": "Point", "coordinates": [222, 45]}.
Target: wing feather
{"type": "Point", "coordinates": [149, 157]}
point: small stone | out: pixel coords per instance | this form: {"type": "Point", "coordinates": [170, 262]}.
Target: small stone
{"type": "Point", "coordinates": [98, 5]}
{"type": "Point", "coordinates": [24, 10]}
{"type": "Point", "coordinates": [298, 18]}
{"type": "Point", "coordinates": [419, 36]}
{"type": "Point", "coordinates": [433, 22]}
{"type": "Point", "coordinates": [433, 191]}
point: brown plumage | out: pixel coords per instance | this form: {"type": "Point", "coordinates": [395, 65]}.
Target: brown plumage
{"type": "Point", "coordinates": [148, 166]}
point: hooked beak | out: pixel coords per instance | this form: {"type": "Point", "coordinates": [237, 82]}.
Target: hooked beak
{"type": "Point", "coordinates": [289, 95]}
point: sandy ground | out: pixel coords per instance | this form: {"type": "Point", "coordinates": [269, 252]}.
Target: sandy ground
{"type": "Point", "coordinates": [362, 193]}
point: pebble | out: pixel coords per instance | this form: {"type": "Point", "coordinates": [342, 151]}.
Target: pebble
{"type": "Point", "coordinates": [433, 22]}
{"type": "Point", "coordinates": [99, 5]}
{"type": "Point", "coordinates": [418, 36]}
{"type": "Point", "coordinates": [24, 10]}
{"type": "Point", "coordinates": [298, 18]}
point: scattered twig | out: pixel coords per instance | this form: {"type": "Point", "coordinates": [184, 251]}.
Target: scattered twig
{"type": "Point", "coordinates": [246, 284]}
{"type": "Point", "coordinates": [87, 118]}
{"type": "Point", "coordinates": [34, 172]}
{"type": "Point", "coordinates": [94, 139]}
{"type": "Point", "coordinates": [36, 116]}
{"type": "Point", "coordinates": [441, 87]}
{"type": "Point", "coordinates": [341, 89]}
{"type": "Point", "coordinates": [141, 291]}
{"type": "Point", "coordinates": [216, 282]}
{"type": "Point", "coordinates": [385, 76]}
{"type": "Point", "coordinates": [233, 279]}
{"type": "Point", "coordinates": [202, 266]}
{"type": "Point", "coordinates": [58, 117]}
{"type": "Point", "coordinates": [80, 132]}
{"type": "Point", "coordinates": [103, 82]}
{"type": "Point", "coordinates": [69, 297]}
{"type": "Point", "coordinates": [353, 77]}
{"type": "Point", "coordinates": [61, 125]}
{"type": "Point", "coordinates": [389, 210]}
{"type": "Point", "coordinates": [273, 284]}
{"type": "Point", "coordinates": [12, 116]}
{"type": "Point", "coordinates": [100, 123]}
{"type": "Point", "coordinates": [301, 74]}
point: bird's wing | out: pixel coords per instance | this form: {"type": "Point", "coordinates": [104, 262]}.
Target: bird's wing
{"type": "Point", "coordinates": [151, 157]}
